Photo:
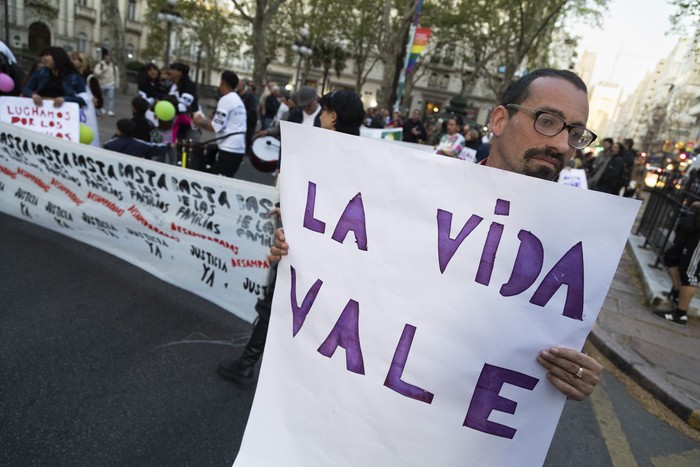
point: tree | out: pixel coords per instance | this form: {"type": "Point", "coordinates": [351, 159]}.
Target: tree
{"type": "Point", "coordinates": [155, 43]}
{"type": "Point", "coordinates": [211, 30]}
{"type": "Point", "coordinates": [259, 14]}
{"type": "Point", "coordinates": [116, 34]}
{"type": "Point", "coordinates": [688, 11]}
{"type": "Point", "coordinates": [393, 45]}
{"type": "Point", "coordinates": [329, 57]}
{"type": "Point", "coordinates": [505, 37]}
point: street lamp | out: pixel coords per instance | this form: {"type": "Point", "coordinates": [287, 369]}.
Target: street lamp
{"type": "Point", "coordinates": [170, 16]}
{"type": "Point", "coordinates": [301, 47]}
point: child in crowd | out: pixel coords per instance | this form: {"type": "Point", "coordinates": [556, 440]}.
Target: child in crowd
{"type": "Point", "coordinates": [125, 143]}
{"type": "Point", "coordinates": [144, 127]}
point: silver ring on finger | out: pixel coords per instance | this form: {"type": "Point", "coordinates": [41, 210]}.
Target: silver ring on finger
{"type": "Point", "coordinates": [579, 373]}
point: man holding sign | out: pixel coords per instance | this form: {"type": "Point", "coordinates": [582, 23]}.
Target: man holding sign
{"type": "Point", "coordinates": [532, 136]}
{"type": "Point", "coordinates": [431, 370]}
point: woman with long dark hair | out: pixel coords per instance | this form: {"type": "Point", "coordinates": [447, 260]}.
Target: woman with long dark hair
{"type": "Point", "coordinates": [149, 84]}
{"type": "Point", "coordinates": [185, 91]}
{"type": "Point", "coordinates": [58, 79]}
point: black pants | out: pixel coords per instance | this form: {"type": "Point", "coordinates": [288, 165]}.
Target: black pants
{"type": "Point", "coordinates": [228, 163]}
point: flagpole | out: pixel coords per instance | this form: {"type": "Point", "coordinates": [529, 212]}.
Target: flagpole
{"type": "Point", "coordinates": [402, 76]}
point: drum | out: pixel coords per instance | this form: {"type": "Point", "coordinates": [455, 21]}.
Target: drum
{"type": "Point", "coordinates": [266, 153]}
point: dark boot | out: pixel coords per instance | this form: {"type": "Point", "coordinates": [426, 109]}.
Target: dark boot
{"type": "Point", "coordinates": [241, 370]}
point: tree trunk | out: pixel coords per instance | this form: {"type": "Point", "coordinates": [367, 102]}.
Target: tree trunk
{"type": "Point", "coordinates": [394, 46]}
{"type": "Point", "coordinates": [116, 35]}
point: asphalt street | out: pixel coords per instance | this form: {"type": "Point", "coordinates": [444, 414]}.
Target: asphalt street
{"type": "Point", "coordinates": [103, 364]}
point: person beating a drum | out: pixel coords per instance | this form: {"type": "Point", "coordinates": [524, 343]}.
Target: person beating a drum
{"type": "Point", "coordinates": [229, 124]}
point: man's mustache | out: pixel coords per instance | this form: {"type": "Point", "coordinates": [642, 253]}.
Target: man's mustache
{"type": "Point", "coordinates": [544, 154]}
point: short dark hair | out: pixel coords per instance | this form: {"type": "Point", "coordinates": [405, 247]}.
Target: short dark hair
{"type": "Point", "coordinates": [517, 91]}
{"type": "Point", "coordinates": [126, 127]}
{"type": "Point", "coordinates": [140, 104]}
{"type": "Point", "coordinates": [348, 108]}
{"type": "Point", "coordinates": [608, 140]}
{"type": "Point", "coordinates": [230, 78]}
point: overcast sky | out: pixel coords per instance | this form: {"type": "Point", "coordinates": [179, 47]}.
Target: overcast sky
{"type": "Point", "coordinates": [632, 40]}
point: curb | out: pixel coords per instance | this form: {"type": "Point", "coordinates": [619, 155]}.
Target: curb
{"type": "Point", "coordinates": [648, 378]}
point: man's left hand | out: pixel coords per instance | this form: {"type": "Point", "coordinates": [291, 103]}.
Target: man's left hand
{"type": "Point", "coordinates": [572, 372]}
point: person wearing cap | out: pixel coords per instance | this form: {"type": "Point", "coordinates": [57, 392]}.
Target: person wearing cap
{"type": "Point", "coordinates": [125, 142]}
{"type": "Point", "coordinates": [107, 74]}
{"type": "Point", "coordinates": [307, 111]}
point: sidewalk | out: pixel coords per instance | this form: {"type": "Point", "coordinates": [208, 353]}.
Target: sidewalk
{"type": "Point", "coordinates": [661, 357]}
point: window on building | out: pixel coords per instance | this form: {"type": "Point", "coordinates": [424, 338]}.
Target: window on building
{"type": "Point", "coordinates": [448, 59]}
{"type": "Point", "coordinates": [81, 46]}
{"type": "Point", "coordinates": [432, 80]}
{"type": "Point", "coordinates": [444, 81]}
{"type": "Point", "coordinates": [81, 3]}
{"type": "Point", "coordinates": [131, 10]}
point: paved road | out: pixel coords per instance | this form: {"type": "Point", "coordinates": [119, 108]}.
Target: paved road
{"type": "Point", "coordinates": [103, 364]}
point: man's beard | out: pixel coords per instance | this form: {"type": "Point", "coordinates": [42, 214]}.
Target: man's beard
{"type": "Point", "coordinates": [541, 170]}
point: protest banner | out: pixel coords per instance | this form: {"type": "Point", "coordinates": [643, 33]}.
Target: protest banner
{"type": "Point", "coordinates": [409, 313]}
{"type": "Point", "coordinates": [204, 233]}
{"type": "Point", "coordinates": [395, 134]}
{"type": "Point", "coordinates": [61, 122]}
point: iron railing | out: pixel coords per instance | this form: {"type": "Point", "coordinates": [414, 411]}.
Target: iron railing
{"type": "Point", "coordinates": [668, 201]}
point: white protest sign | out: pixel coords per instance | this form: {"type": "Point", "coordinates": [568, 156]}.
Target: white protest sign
{"type": "Point", "coordinates": [206, 234]}
{"type": "Point", "coordinates": [61, 122]}
{"type": "Point", "coordinates": [409, 313]}
{"type": "Point", "coordinates": [573, 177]}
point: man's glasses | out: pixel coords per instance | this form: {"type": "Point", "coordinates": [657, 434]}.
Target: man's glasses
{"type": "Point", "coordinates": [550, 124]}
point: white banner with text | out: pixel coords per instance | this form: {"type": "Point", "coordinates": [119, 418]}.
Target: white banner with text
{"type": "Point", "coordinates": [207, 234]}
{"type": "Point", "coordinates": [416, 296]}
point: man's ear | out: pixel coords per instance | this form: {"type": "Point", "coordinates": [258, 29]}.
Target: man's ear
{"type": "Point", "coordinates": [499, 117]}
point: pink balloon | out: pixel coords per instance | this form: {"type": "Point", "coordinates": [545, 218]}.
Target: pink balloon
{"type": "Point", "coordinates": [6, 83]}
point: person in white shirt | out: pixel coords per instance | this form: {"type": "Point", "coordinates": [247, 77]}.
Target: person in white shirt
{"type": "Point", "coordinates": [107, 74]}
{"type": "Point", "coordinates": [229, 124]}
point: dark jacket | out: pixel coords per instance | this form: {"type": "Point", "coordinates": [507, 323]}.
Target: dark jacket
{"type": "Point", "coordinates": [143, 127]}
{"type": "Point", "coordinates": [408, 135]}
{"type": "Point", "coordinates": [73, 84]}
{"type": "Point", "coordinates": [612, 178]}
{"type": "Point", "coordinates": [136, 147]}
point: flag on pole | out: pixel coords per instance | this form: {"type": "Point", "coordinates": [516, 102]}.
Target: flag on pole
{"type": "Point", "coordinates": [419, 41]}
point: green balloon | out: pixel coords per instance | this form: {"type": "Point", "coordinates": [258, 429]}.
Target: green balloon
{"type": "Point", "coordinates": [165, 111]}
{"type": "Point", "coordinates": [86, 134]}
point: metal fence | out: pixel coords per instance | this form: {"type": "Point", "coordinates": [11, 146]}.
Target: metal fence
{"type": "Point", "coordinates": [668, 201]}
